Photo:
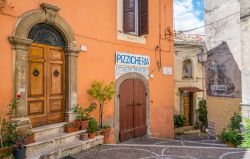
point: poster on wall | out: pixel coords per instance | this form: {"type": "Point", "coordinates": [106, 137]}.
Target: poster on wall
{"type": "Point", "coordinates": [223, 76]}
{"type": "Point", "coordinates": [126, 63]}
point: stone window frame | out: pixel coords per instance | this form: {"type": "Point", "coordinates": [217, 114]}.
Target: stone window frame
{"type": "Point", "coordinates": [192, 69]}
{"type": "Point", "coordinates": [20, 45]}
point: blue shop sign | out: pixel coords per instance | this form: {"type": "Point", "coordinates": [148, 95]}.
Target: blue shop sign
{"type": "Point", "coordinates": [132, 60]}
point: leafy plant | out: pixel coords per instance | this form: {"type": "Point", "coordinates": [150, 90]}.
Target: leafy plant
{"type": "Point", "coordinates": [235, 121]}
{"type": "Point", "coordinates": [105, 126]}
{"type": "Point", "coordinates": [101, 93]}
{"type": "Point", "coordinates": [92, 127]}
{"type": "Point", "coordinates": [202, 113]}
{"type": "Point", "coordinates": [8, 126]}
{"type": "Point", "coordinates": [83, 114]}
{"type": "Point", "coordinates": [179, 120]}
{"type": "Point", "coordinates": [246, 134]}
{"type": "Point", "coordinates": [230, 136]}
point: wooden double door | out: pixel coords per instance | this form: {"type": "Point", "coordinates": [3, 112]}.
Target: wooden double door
{"type": "Point", "coordinates": [46, 84]}
{"type": "Point", "coordinates": [132, 99]}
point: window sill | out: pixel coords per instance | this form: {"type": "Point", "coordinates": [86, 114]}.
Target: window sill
{"type": "Point", "coordinates": [131, 38]}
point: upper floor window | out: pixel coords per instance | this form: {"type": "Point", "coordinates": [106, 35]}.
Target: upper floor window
{"type": "Point", "coordinates": [187, 69]}
{"type": "Point", "coordinates": [135, 17]}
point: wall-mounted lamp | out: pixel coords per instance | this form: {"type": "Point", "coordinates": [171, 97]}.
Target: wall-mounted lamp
{"type": "Point", "coordinates": [202, 56]}
{"type": "Point", "coordinates": [83, 48]}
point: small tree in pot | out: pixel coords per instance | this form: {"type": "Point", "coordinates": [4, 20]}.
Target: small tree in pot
{"type": "Point", "coordinates": [101, 93]}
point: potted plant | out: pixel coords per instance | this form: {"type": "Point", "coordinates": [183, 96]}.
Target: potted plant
{"type": "Point", "coordinates": [179, 120]}
{"type": "Point", "coordinates": [8, 127]}
{"type": "Point", "coordinates": [102, 94]}
{"type": "Point", "coordinates": [106, 132]}
{"type": "Point", "coordinates": [98, 131]}
{"type": "Point", "coordinates": [71, 127]}
{"type": "Point", "coordinates": [92, 128]}
{"type": "Point", "coordinates": [202, 115]}
{"type": "Point", "coordinates": [83, 115]}
{"type": "Point", "coordinates": [19, 151]}
{"type": "Point", "coordinates": [84, 136]}
{"type": "Point", "coordinates": [30, 137]}
{"type": "Point", "coordinates": [231, 135]}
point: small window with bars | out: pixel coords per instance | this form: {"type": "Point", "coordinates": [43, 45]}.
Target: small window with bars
{"type": "Point", "coordinates": [135, 17]}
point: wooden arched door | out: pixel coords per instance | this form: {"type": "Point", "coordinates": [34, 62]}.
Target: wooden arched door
{"type": "Point", "coordinates": [132, 99]}
{"type": "Point", "coordinates": [46, 85]}
{"type": "Point", "coordinates": [46, 76]}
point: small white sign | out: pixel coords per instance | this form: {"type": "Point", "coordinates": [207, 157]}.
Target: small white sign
{"type": "Point", "coordinates": [124, 59]}
{"type": "Point", "coordinates": [120, 70]}
{"type": "Point", "coordinates": [218, 87]}
{"type": "Point", "coordinates": [167, 71]}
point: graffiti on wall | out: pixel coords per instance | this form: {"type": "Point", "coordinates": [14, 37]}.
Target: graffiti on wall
{"type": "Point", "coordinates": [223, 77]}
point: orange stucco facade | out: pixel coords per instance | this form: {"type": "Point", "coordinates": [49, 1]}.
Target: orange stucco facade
{"type": "Point", "coordinates": [94, 24]}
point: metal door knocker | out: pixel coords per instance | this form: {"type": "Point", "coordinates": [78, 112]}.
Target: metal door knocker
{"type": "Point", "coordinates": [56, 73]}
{"type": "Point", "coordinates": [36, 72]}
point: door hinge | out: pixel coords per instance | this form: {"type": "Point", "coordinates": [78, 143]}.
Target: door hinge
{"type": "Point", "coordinates": [146, 94]}
{"type": "Point", "coordinates": [118, 95]}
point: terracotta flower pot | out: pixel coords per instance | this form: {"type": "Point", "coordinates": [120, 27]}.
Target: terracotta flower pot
{"type": "Point", "coordinates": [229, 144]}
{"type": "Point", "coordinates": [5, 150]}
{"type": "Point", "coordinates": [31, 139]}
{"type": "Point", "coordinates": [92, 135]}
{"type": "Point", "coordinates": [70, 129]}
{"type": "Point", "coordinates": [98, 132]}
{"type": "Point", "coordinates": [84, 124]}
{"type": "Point", "coordinates": [106, 133]}
{"type": "Point", "coordinates": [84, 136]}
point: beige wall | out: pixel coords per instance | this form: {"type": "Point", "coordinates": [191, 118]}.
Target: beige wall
{"type": "Point", "coordinates": [221, 109]}
{"type": "Point", "coordinates": [183, 52]}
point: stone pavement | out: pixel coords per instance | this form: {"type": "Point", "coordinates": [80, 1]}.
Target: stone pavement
{"type": "Point", "coordinates": [183, 147]}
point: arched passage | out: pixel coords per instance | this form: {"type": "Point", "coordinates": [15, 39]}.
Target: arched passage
{"type": "Point", "coordinates": [119, 82]}
{"type": "Point", "coordinates": [47, 15]}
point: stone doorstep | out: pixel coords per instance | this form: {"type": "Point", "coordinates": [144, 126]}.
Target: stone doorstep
{"type": "Point", "coordinates": [44, 131]}
{"type": "Point", "coordinates": [66, 149]}
{"type": "Point", "coordinates": [192, 132]}
{"type": "Point", "coordinates": [53, 140]}
{"type": "Point", "coordinates": [182, 129]}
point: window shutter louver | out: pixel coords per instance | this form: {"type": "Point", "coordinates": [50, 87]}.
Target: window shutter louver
{"type": "Point", "coordinates": [143, 17]}
{"type": "Point", "coordinates": [128, 16]}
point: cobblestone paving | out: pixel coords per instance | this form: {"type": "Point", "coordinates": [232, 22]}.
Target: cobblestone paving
{"type": "Point", "coordinates": [154, 148]}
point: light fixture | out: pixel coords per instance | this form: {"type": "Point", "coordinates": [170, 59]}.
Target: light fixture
{"type": "Point", "coordinates": [202, 56]}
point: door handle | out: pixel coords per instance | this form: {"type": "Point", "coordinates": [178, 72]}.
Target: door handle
{"type": "Point", "coordinates": [138, 104]}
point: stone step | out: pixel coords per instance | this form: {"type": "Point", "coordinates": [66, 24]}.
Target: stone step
{"type": "Point", "coordinates": [47, 130]}
{"type": "Point", "coordinates": [65, 149]}
{"type": "Point", "coordinates": [53, 140]}
{"type": "Point", "coordinates": [182, 129]}
{"type": "Point", "coordinates": [192, 132]}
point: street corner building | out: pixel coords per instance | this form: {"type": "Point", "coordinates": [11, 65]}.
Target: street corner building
{"type": "Point", "coordinates": [51, 52]}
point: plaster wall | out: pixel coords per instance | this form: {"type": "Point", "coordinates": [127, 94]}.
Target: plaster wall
{"type": "Point", "coordinates": [95, 25]}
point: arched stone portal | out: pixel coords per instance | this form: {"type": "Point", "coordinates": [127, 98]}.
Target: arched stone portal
{"type": "Point", "coordinates": [48, 14]}
{"type": "Point", "coordinates": [118, 83]}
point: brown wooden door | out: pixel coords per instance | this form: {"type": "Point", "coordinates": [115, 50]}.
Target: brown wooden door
{"type": "Point", "coordinates": [46, 85]}
{"type": "Point", "coordinates": [132, 109]}
{"type": "Point", "coordinates": [188, 109]}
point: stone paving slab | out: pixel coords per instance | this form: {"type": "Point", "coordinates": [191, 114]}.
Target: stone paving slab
{"type": "Point", "coordinates": [155, 148]}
